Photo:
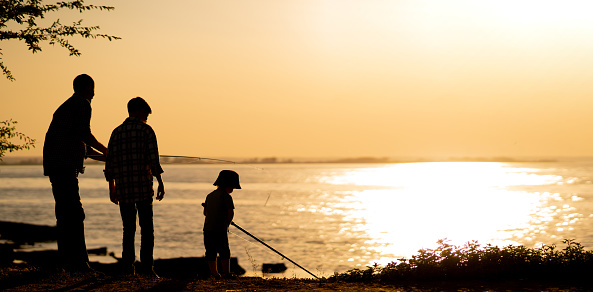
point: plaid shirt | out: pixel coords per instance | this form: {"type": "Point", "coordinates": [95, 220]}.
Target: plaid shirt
{"type": "Point", "coordinates": [64, 148]}
{"type": "Point", "coordinates": [132, 160]}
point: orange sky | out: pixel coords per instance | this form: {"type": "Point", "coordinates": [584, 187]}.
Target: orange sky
{"type": "Point", "coordinates": [299, 78]}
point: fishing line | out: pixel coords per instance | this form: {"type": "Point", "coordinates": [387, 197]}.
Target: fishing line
{"type": "Point", "coordinates": [271, 248]}
{"type": "Point", "coordinates": [269, 194]}
{"type": "Point", "coordinates": [253, 243]}
{"type": "Point", "coordinates": [249, 241]}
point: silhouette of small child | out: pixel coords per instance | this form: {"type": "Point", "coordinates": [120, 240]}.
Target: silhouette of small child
{"type": "Point", "coordinates": [219, 212]}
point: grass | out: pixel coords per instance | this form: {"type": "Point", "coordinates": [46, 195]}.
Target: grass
{"type": "Point", "coordinates": [472, 262]}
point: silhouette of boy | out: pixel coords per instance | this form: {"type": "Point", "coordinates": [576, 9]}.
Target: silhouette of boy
{"type": "Point", "coordinates": [68, 142]}
{"type": "Point", "coordinates": [132, 162]}
{"type": "Point", "coordinates": [219, 212]}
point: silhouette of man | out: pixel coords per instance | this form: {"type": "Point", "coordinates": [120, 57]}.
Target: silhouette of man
{"type": "Point", "coordinates": [132, 162]}
{"type": "Point", "coordinates": [68, 142]}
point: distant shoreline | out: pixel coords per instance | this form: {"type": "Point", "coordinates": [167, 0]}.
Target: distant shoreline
{"type": "Point", "coordinates": [274, 160]}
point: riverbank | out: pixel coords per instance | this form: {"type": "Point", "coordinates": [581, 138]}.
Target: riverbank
{"type": "Point", "coordinates": [30, 278]}
{"type": "Point", "coordinates": [24, 277]}
{"type": "Point", "coordinates": [471, 267]}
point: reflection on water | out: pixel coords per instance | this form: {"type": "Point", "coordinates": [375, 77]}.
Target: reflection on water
{"type": "Point", "coordinates": [435, 175]}
{"type": "Point", "coordinates": [334, 217]}
{"type": "Point", "coordinates": [424, 202]}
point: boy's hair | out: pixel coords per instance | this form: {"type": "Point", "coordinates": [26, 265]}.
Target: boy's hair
{"type": "Point", "coordinates": [228, 178]}
{"type": "Point", "coordinates": [82, 82]}
{"type": "Point", "coordinates": [138, 103]}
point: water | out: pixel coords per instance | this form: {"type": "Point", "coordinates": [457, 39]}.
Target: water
{"type": "Point", "coordinates": [335, 217]}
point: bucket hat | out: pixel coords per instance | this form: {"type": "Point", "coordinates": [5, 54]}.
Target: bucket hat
{"type": "Point", "coordinates": [228, 178]}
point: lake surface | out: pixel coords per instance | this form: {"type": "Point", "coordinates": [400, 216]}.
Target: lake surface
{"type": "Point", "coordinates": [335, 217]}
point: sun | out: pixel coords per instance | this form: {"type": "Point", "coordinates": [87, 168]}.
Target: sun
{"type": "Point", "coordinates": [532, 13]}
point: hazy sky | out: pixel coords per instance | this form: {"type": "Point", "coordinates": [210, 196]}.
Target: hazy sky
{"type": "Point", "coordinates": [299, 78]}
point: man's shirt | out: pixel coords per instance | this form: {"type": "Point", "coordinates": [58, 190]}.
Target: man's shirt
{"type": "Point", "coordinates": [132, 160]}
{"type": "Point", "coordinates": [64, 148]}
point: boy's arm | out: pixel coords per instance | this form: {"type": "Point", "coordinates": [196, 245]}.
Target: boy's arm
{"type": "Point", "coordinates": [152, 157]}
{"type": "Point", "coordinates": [231, 215]}
{"type": "Point", "coordinates": [160, 193]}
{"type": "Point", "coordinates": [112, 194]}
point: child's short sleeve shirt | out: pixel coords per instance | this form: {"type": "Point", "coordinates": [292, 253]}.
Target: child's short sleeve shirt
{"type": "Point", "coordinates": [217, 204]}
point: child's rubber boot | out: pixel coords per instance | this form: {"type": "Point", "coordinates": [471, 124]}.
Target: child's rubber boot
{"type": "Point", "coordinates": [226, 269]}
{"type": "Point", "coordinates": [213, 270]}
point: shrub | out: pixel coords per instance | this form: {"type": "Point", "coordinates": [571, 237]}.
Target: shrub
{"type": "Point", "coordinates": [475, 262]}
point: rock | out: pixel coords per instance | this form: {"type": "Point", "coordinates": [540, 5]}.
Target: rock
{"type": "Point", "coordinates": [6, 254]}
{"type": "Point", "coordinates": [23, 233]}
{"type": "Point", "coordinates": [190, 267]}
{"type": "Point", "coordinates": [273, 268]}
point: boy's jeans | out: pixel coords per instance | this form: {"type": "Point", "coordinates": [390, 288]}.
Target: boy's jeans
{"type": "Point", "coordinates": [128, 216]}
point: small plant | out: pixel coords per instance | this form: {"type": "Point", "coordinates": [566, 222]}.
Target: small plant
{"type": "Point", "coordinates": [252, 261]}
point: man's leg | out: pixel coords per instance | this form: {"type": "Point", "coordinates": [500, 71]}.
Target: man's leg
{"type": "Point", "coordinates": [128, 218]}
{"type": "Point", "coordinates": [145, 217]}
{"type": "Point", "coordinates": [69, 221]}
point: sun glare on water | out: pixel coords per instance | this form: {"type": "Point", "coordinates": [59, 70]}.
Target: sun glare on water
{"type": "Point", "coordinates": [407, 206]}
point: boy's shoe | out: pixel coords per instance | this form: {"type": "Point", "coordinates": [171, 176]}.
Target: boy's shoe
{"type": "Point", "coordinates": [229, 276]}
{"type": "Point", "coordinates": [128, 271]}
{"type": "Point", "coordinates": [82, 268]}
{"type": "Point", "coordinates": [147, 272]}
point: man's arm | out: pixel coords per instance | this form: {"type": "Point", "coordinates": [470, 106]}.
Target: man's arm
{"type": "Point", "coordinates": [83, 121]}
{"type": "Point", "coordinates": [93, 142]}
{"type": "Point", "coordinates": [94, 154]}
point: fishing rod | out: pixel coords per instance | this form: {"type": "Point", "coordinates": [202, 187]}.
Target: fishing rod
{"type": "Point", "coordinates": [196, 157]}
{"type": "Point", "coordinates": [206, 158]}
{"type": "Point", "coordinates": [266, 245]}
{"type": "Point", "coordinates": [199, 158]}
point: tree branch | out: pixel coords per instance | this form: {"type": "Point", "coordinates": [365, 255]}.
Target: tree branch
{"type": "Point", "coordinates": [26, 12]}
